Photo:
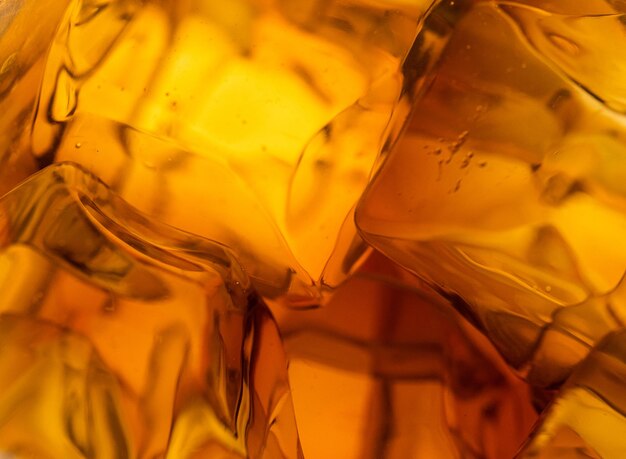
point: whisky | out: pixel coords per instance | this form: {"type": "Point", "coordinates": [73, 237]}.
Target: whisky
{"type": "Point", "coordinates": [256, 124]}
{"type": "Point", "coordinates": [506, 191]}
{"type": "Point", "coordinates": [125, 338]}
{"type": "Point", "coordinates": [190, 162]}
{"type": "Point", "coordinates": [401, 375]}
{"type": "Point", "coordinates": [506, 194]}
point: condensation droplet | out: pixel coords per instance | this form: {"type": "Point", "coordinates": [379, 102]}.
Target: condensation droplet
{"type": "Point", "coordinates": [460, 141]}
{"type": "Point", "coordinates": [109, 305]}
{"type": "Point", "coordinates": [564, 44]}
{"type": "Point", "coordinates": [467, 160]}
{"type": "Point", "coordinates": [8, 64]}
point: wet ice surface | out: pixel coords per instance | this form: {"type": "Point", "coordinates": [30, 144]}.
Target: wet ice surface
{"type": "Point", "coordinates": [261, 125]}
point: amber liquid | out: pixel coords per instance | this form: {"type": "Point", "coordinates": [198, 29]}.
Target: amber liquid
{"type": "Point", "coordinates": [138, 340]}
{"type": "Point", "coordinates": [256, 124]}
{"type": "Point", "coordinates": [507, 195]}
{"type": "Point", "coordinates": [273, 127]}
{"type": "Point", "coordinates": [125, 338]}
